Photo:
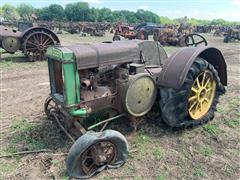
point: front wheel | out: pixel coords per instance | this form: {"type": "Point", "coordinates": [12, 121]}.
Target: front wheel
{"type": "Point", "coordinates": [93, 152]}
{"type": "Point", "coordinates": [195, 102]}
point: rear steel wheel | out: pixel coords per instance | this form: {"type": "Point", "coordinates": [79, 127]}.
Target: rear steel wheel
{"type": "Point", "coordinates": [195, 102]}
{"type": "Point", "coordinates": [36, 43]}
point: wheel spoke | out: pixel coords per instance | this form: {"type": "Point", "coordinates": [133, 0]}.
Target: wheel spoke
{"type": "Point", "coordinates": [90, 168]}
{"type": "Point", "coordinates": [41, 38]}
{"type": "Point", "coordinates": [192, 106]}
{"type": "Point", "coordinates": [203, 79]}
{"type": "Point", "coordinates": [31, 48]}
{"type": "Point", "coordinates": [208, 89]}
{"type": "Point", "coordinates": [29, 42]}
{"type": "Point", "coordinates": [198, 83]}
{"type": "Point", "coordinates": [192, 98]}
{"type": "Point", "coordinates": [44, 39]}
{"type": "Point", "coordinates": [36, 40]}
{"type": "Point", "coordinates": [193, 41]}
{"type": "Point", "coordinates": [208, 80]}
{"type": "Point", "coordinates": [194, 90]}
{"type": "Point", "coordinates": [196, 107]}
{"type": "Point", "coordinates": [47, 41]}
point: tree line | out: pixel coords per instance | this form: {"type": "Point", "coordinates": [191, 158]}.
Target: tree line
{"type": "Point", "coordinates": [81, 11]}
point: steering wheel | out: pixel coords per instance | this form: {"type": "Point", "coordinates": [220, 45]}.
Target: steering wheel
{"type": "Point", "coordinates": [195, 40]}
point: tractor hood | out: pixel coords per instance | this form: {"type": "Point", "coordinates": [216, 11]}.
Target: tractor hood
{"type": "Point", "coordinates": [101, 54]}
{"type": "Point", "coordinates": [107, 53]}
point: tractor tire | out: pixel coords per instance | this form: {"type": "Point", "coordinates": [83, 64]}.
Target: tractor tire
{"type": "Point", "coordinates": [116, 38]}
{"type": "Point", "coordinates": [84, 153]}
{"type": "Point", "coordinates": [226, 39]}
{"type": "Point", "coordinates": [176, 105]}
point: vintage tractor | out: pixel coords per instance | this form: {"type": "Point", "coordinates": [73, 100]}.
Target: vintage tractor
{"type": "Point", "coordinates": [33, 41]}
{"type": "Point", "coordinates": [127, 78]}
{"type": "Point", "coordinates": [232, 35]}
{"type": "Point", "coordinates": [172, 37]}
{"type": "Point", "coordinates": [129, 32]}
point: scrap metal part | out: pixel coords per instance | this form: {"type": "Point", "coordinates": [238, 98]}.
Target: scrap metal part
{"type": "Point", "coordinates": [33, 42]}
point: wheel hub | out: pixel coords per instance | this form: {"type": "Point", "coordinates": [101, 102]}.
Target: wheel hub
{"type": "Point", "coordinates": [40, 47]}
{"type": "Point", "coordinates": [100, 159]}
{"type": "Point", "coordinates": [98, 155]}
{"type": "Point", "coordinates": [202, 94]}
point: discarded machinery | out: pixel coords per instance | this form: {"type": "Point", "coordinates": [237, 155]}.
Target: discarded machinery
{"type": "Point", "coordinates": [171, 36]}
{"type": "Point", "coordinates": [33, 41]}
{"type": "Point", "coordinates": [129, 32]}
{"type": "Point", "coordinates": [232, 35]}
{"type": "Point", "coordinates": [127, 78]}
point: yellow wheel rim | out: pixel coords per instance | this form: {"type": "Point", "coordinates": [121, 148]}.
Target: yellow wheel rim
{"type": "Point", "coordinates": [201, 95]}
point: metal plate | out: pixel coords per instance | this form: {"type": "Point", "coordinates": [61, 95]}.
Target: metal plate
{"type": "Point", "coordinates": [11, 44]}
{"type": "Point", "coordinates": [140, 95]}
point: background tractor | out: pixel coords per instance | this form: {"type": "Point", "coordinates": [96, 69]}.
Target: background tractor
{"type": "Point", "coordinates": [129, 32]}
{"type": "Point", "coordinates": [232, 35]}
{"type": "Point", "coordinates": [32, 41]}
{"type": "Point", "coordinates": [127, 78]}
{"type": "Point", "coordinates": [173, 36]}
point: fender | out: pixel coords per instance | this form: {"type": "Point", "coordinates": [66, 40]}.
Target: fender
{"type": "Point", "coordinates": [24, 33]}
{"type": "Point", "coordinates": [176, 67]}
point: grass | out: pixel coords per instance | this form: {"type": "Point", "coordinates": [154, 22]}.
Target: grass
{"type": "Point", "coordinates": [6, 168]}
{"type": "Point", "coordinates": [138, 178]}
{"type": "Point", "coordinates": [228, 170]}
{"type": "Point", "coordinates": [22, 137]}
{"type": "Point", "coordinates": [9, 63]}
{"type": "Point", "coordinates": [199, 172]}
{"type": "Point", "coordinates": [232, 123]}
{"type": "Point", "coordinates": [130, 169]}
{"type": "Point", "coordinates": [107, 178]}
{"type": "Point", "coordinates": [206, 150]}
{"type": "Point", "coordinates": [212, 129]}
{"type": "Point", "coordinates": [73, 38]}
{"type": "Point", "coordinates": [234, 103]}
{"type": "Point", "coordinates": [142, 142]}
{"type": "Point", "coordinates": [161, 177]}
{"type": "Point", "coordinates": [222, 109]}
{"type": "Point", "coordinates": [170, 49]}
{"type": "Point", "coordinates": [158, 153]}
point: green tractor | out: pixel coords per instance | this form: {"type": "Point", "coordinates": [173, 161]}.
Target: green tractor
{"type": "Point", "coordinates": [127, 78]}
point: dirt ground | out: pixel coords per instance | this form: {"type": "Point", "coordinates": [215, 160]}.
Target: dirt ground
{"type": "Point", "coordinates": [211, 151]}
